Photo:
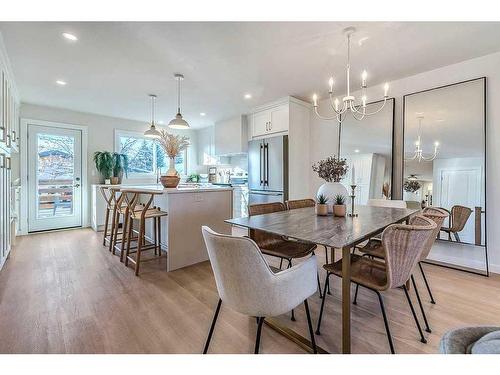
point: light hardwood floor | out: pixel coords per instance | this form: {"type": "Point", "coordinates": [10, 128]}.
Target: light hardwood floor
{"type": "Point", "coordinates": [63, 292]}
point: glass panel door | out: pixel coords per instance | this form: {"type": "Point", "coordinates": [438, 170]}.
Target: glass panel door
{"type": "Point", "coordinates": [54, 178]}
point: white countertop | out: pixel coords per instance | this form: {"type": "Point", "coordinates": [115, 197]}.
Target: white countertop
{"type": "Point", "coordinates": [181, 188]}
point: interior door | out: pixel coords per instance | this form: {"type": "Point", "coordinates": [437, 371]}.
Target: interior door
{"type": "Point", "coordinates": [54, 178]}
{"type": "Point", "coordinates": [462, 187]}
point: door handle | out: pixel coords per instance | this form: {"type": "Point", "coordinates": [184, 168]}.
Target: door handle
{"type": "Point", "coordinates": [266, 167]}
{"type": "Point", "coordinates": [270, 125]}
{"type": "Point", "coordinates": [260, 163]}
{"type": "Point", "coordinates": [76, 185]}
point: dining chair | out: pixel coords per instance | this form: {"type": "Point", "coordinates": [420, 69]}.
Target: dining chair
{"type": "Point", "coordinates": [138, 210]}
{"type": "Point", "coordinates": [403, 246]}
{"type": "Point", "coordinates": [276, 245]}
{"type": "Point", "coordinates": [247, 284]}
{"type": "Point", "coordinates": [458, 218]}
{"type": "Point", "coordinates": [304, 203]}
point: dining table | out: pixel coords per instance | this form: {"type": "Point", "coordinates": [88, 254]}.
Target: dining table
{"type": "Point", "coordinates": [342, 233]}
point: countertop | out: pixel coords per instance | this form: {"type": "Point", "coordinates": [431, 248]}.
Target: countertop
{"type": "Point", "coordinates": [182, 188]}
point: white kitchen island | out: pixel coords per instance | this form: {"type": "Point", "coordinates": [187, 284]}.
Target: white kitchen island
{"type": "Point", "coordinates": [188, 208]}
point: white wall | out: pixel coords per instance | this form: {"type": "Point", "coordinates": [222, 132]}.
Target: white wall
{"type": "Point", "coordinates": [101, 134]}
{"type": "Point", "coordinates": [324, 133]}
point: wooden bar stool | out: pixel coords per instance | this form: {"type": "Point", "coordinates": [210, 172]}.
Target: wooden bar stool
{"type": "Point", "coordinates": [110, 195]}
{"type": "Point", "coordinates": [137, 212]}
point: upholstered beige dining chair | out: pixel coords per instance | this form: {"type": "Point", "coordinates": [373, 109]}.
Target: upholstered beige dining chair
{"type": "Point", "coordinates": [403, 246]}
{"type": "Point", "coordinates": [247, 284]}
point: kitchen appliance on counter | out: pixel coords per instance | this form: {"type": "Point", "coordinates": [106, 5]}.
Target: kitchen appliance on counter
{"type": "Point", "coordinates": [268, 170]}
{"type": "Point", "coordinates": [212, 174]}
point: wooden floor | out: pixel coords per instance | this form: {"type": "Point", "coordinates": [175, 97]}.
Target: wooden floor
{"type": "Point", "coordinates": [63, 292]}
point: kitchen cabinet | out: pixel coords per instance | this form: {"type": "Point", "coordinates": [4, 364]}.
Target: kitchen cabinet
{"type": "Point", "coordinates": [230, 136]}
{"type": "Point", "coordinates": [271, 120]}
{"type": "Point", "coordinates": [9, 114]}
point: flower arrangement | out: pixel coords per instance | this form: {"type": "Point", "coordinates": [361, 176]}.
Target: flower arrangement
{"type": "Point", "coordinates": [172, 144]}
{"type": "Point", "coordinates": [411, 186]}
{"type": "Point", "coordinates": [331, 169]}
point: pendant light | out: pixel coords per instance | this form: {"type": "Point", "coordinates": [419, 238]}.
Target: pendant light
{"type": "Point", "coordinates": [152, 132]}
{"type": "Point", "coordinates": [178, 122]}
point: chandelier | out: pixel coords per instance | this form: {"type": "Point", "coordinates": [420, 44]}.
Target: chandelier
{"type": "Point", "coordinates": [348, 100]}
{"type": "Point", "coordinates": [418, 154]}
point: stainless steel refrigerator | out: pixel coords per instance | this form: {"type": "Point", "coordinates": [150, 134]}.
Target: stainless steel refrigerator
{"type": "Point", "coordinates": [268, 170]}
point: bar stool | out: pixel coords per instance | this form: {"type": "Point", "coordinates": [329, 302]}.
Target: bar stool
{"type": "Point", "coordinates": [138, 212]}
{"type": "Point", "coordinates": [110, 195]}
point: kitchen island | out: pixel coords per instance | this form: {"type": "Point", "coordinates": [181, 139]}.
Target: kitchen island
{"type": "Point", "coordinates": [188, 207]}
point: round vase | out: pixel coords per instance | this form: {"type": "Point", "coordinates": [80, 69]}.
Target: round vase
{"type": "Point", "coordinates": [170, 181]}
{"type": "Point", "coordinates": [330, 190]}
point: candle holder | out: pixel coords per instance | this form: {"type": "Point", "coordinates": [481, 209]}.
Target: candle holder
{"type": "Point", "coordinates": [352, 214]}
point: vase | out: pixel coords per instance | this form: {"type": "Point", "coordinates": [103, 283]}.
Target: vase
{"type": "Point", "coordinates": [171, 168]}
{"type": "Point", "coordinates": [115, 180]}
{"type": "Point", "coordinates": [339, 210]}
{"type": "Point", "coordinates": [330, 190]}
{"type": "Point", "coordinates": [321, 209]}
{"type": "Point", "coordinates": [170, 181]}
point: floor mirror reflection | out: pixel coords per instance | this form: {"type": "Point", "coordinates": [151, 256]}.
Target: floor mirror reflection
{"type": "Point", "coordinates": [444, 167]}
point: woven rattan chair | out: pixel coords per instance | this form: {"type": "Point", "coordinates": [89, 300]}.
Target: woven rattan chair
{"type": "Point", "coordinates": [458, 218]}
{"type": "Point", "coordinates": [275, 245]}
{"type": "Point", "coordinates": [403, 246]}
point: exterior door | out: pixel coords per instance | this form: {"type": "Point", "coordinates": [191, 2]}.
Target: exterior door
{"type": "Point", "coordinates": [54, 178]}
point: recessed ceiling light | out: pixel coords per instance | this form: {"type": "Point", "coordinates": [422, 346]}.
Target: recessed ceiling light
{"type": "Point", "coordinates": [61, 83]}
{"type": "Point", "coordinates": [70, 37]}
{"type": "Point", "coordinates": [203, 114]}
{"type": "Point", "coordinates": [356, 150]}
{"type": "Point", "coordinates": [248, 96]}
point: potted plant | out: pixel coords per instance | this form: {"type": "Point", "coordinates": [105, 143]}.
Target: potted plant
{"type": "Point", "coordinates": [321, 205]}
{"type": "Point", "coordinates": [332, 170]}
{"type": "Point", "coordinates": [120, 166]}
{"type": "Point", "coordinates": [104, 164]}
{"type": "Point", "coordinates": [339, 207]}
{"type": "Point", "coordinates": [173, 145]}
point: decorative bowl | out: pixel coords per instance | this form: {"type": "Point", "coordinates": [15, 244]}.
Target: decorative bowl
{"type": "Point", "coordinates": [170, 181]}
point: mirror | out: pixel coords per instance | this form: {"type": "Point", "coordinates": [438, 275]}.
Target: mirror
{"type": "Point", "coordinates": [444, 166]}
{"type": "Point", "coordinates": [367, 145]}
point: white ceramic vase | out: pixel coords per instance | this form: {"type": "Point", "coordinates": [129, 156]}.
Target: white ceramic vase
{"type": "Point", "coordinates": [171, 168]}
{"type": "Point", "coordinates": [331, 190]}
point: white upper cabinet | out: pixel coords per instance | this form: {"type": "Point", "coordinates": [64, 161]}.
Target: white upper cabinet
{"type": "Point", "coordinates": [272, 118]}
{"type": "Point", "coordinates": [231, 136]}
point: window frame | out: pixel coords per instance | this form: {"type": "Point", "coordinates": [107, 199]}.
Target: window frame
{"type": "Point", "coordinates": [134, 175]}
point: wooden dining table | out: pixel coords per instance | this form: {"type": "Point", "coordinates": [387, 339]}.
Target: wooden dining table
{"type": "Point", "coordinates": [334, 232]}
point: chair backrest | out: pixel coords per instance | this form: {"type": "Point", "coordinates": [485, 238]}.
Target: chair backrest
{"type": "Point", "coordinates": [459, 217]}
{"type": "Point", "coordinates": [437, 215]}
{"type": "Point", "coordinates": [137, 201]}
{"type": "Point", "coordinates": [392, 203]}
{"type": "Point", "coordinates": [262, 238]}
{"type": "Point", "coordinates": [240, 269]}
{"type": "Point", "coordinates": [403, 246]}
{"type": "Point", "coordinates": [108, 195]}
{"type": "Point", "coordinates": [300, 203]}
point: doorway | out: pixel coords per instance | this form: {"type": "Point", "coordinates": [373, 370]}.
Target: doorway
{"type": "Point", "coordinates": [54, 178]}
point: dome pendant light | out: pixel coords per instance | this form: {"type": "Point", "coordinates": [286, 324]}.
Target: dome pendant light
{"type": "Point", "coordinates": [152, 132]}
{"type": "Point", "coordinates": [178, 122]}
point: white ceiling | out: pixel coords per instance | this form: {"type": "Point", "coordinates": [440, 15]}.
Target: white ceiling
{"type": "Point", "coordinates": [113, 66]}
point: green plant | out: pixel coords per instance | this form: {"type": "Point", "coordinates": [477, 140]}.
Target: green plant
{"type": "Point", "coordinates": [120, 164]}
{"type": "Point", "coordinates": [193, 178]}
{"type": "Point", "coordinates": [339, 200]}
{"type": "Point", "coordinates": [321, 199]}
{"type": "Point", "coordinates": [104, 163]}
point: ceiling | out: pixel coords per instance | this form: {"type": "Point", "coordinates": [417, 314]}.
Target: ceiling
{"type": "Point", "coordinates": [113, 66]}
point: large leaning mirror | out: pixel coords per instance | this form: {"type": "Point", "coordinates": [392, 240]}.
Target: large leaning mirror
{"type": "Point", "coordinates": [444, 166]}
{"type": "Point", "coordinates": [367, 145]}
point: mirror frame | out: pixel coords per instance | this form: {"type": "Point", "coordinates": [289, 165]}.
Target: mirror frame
{"type": "Point", "coordinates": [402, 155]}
{"type": "Point", "coordinates": [393, 143]}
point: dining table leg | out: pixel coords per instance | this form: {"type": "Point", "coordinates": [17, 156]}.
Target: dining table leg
{"type": "Point", "coordinates": [346, 300]}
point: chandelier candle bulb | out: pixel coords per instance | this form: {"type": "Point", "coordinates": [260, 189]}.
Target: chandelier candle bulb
{"type": "Point", "coordinates": [336, 104]}
{"type": "Point", "coordinates": [315, 100]}
{"type": "Point", "coordinates": [386, 89]}
{"type": "Point", "coordinates": [330, 82]}
{"type": "Point", "coordinates": [364, 75]}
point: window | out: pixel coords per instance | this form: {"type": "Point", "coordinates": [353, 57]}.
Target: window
{"type": "Point", "coordinates": [145, 155]}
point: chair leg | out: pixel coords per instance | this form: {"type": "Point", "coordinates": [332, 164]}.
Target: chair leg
{"type": "Point", "coordinates": [319, 285]}
{"type": "Point", "coordinates": [309, 324]}
{"type": "Point", "coordinates": [293, 313]}
{"type": "Point", "coordinates": [457, 237]}
{"type": "Point", "coordinates": [427, 327]}
{"type": "Point", "coordinates": [327, 282]}
{"type": "Point", "coordinates": [155, 236]}
{"type": "Point", "coordinates": [114, 237]}
{"type": "Point", "coordinates": [106, 223]}
{"type": "Point", "coordinates": [433, 301]}
{"type": "Point", "coordinates": [257, 339]}
{"type": "Point", "coordinates": [355, 302]}
{"type": "Point", "coordinates": [129, 239]}
{"type": "Point", "coordinates": [111, 232]}
{"type": "Point", "coordinates": [124, 235]}
{"type": "Point", "coordinates": [281, 262]}
{"type": "Point", "coordinates": [386, 322]}
{"type": "Point", "coordinates": [139, 247]}
{"type": "Point", "coordinates": [212, 326]}
{"type": "Point", "coordinates": [422, 338]}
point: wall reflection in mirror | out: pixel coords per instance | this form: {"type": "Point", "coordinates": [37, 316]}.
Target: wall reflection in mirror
{"type": "Point", "coordinates": [367, 145]}
{"type": "Point", "coordinates": [444, 166]}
